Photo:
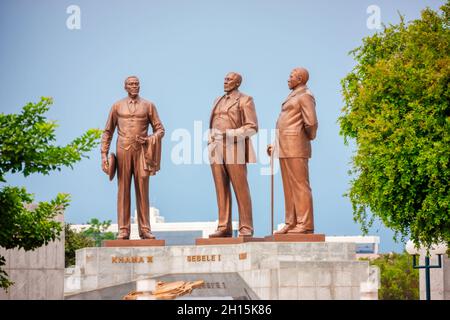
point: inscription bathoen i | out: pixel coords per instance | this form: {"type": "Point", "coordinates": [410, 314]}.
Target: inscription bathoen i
{"type": "Point", "coordinates": [132, 259]}
{"type": "Point", "coordinates": [213, 285]}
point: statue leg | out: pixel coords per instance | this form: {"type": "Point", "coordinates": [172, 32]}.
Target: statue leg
{"type": "Point", "coordinates": [302, 195]}
{"type": "Point", "coordinates": [223, 193]}
{"type": "Point", "coordinates": [124, 167]}
{"type": "Point", "coordinates": [141, 185]}
{"type": "Point", "coordinates": [289, 209]}
{"type": "Point", "coordinates": [238, 177]}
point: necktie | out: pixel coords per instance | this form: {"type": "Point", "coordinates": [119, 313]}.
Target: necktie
{"type": "Point", "coordinates": [132, 106]}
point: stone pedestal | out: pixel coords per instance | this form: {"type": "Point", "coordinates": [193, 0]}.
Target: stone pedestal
{"type": "Point", "coordinates": [37, 274]}
{"type": "Point", "coordinates": [271, 270]}
{"type": "Point", "coordinates": [439, 279]}
{"type": "Point", "coordinates": [227, 240]}
{"type": "Point", "coordinates": [134, 243]}
{"type": "Point", "coordinates": [296, 237]}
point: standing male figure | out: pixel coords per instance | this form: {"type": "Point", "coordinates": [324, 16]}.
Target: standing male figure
{"type": "Point", "coordinates": [132, 116]}
{"type": "Point", "coordinates": [232, 122]}
{"type": "Point", "coordinates": [296, 127]}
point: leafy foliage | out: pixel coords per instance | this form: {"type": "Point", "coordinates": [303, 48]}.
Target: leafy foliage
{"type": "Point", "coordinates": [25, 147]}
{"type": "Point", "coordinates": [98, 231]}
{"type": "Point", "coordinates": [399, 280]}
{"type": "Point", "coordinates": [25, 142]}
{"type": "Point", "coordinates": [90, 237]}
{"type": "Point", "coordinates": [28, 229]}
{"type": "Point", "coordinates": [4, 282]}
{"type": "Point", "coordinates": [74, 241]}
{"type": "Point", "coordinates": [397, 110]}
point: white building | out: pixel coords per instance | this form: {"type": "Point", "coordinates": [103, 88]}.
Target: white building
{"type": "Point", "coordinates": [364, 244]}
{"type": "Point", "coordinates": [175, 233]}
{"type": "Point", "coordinates": [185, 233]}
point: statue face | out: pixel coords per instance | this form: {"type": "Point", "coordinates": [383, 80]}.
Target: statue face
{"type": "Point", "coordinates": [294, 79]}
{"type": "Point", "coordinates": [230, 82]}
{"type": "Point", "coordinates": [132, 87]}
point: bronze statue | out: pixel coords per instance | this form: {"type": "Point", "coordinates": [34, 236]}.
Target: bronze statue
{"type": "Point", "coordinates": [296, 127]}
{"type": "Point", "coordinates": [138, 154]}
{"type": "Point", "coordinates": [232, 122]}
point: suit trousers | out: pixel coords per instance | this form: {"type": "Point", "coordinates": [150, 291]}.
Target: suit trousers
{"type": "Point", "coordinates": [236, 173]}
{"type": "Point", "coordinates": [297, 193]}
{"type": "Point", "coordinates": [128, 165]}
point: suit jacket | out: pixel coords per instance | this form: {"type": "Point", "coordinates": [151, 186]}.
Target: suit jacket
{"type": "Point", "coordinates": [297, 125]}
{"type": "Point", "coordinates": [242, 114]}
{"type": "Point", "coordinates": [131, 124]}
{"type": "Point", "coordinates": [151, 156]}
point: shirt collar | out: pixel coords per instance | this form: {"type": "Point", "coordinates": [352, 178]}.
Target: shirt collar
{"type": "Point", "coordinates": [133, 100]}
{"type": "Point", "coordinates": [232, 95]}
{"type": "Point", "coordinates": [299, 88]}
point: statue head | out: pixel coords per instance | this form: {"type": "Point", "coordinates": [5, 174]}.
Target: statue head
{"type": "Point", "coordinates": [132, 86]}
{"type": "Point", "coordinates": [298, 76]}
{"type": "Point", "coordinates": [232, 81]}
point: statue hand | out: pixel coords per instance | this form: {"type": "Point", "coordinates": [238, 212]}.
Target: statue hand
{"type": "Point", "coordinates": [141, 140]}
{"type": "Point", "coordinates": [105, 164]}
{"type": "Point", "coordinates": [269, 149]}
{"type": "Point", "coordinates": [219, 136]}
{"type": "Point", "coordinates": [215, 134]}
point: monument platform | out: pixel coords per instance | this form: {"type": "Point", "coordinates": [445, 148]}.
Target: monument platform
{"type": "Point", "coordinates": [134, 243]}
{"type": "Point", "coordinates": [296, 238]}
{"type": "Point", "coordinates": [268, 270]}
{"type": "Point", "coordinates": [226, 240]}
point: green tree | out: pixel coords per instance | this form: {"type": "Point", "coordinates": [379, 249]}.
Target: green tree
{"type": "Point", "coordinates": [397, 111]}
{"type": "Point", "coordinates": [74, 241]}
{"type": "Point", "coordinates": [97, 231]}
{"type": "Point", "coordinates": [90, 237]}
{"type": "Point", "coordinates": [399, 280]}
{"type": "Point", "coordinates": [26, 147]}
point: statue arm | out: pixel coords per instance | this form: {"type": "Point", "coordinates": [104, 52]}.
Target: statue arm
{"type": "Point", "coordinates": [157, 126]}
{"type": "Point", "coordinates": [308, 107]}
{"type": "Point", "coordinates": [108, 133]}
{"type": "Point", "coordinates": [249, 119]}
{"type": "Point", "coordinates": [212, 131]}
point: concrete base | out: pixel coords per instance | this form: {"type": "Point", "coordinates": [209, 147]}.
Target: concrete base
{"type": "Point", "coordinates": [227, 240]}
{"type": "Point", "coordinates": [296, 238]}
{"type": "Point", "coordinates": [272, 270]}
{"type": "Point", "coordinates": [216, 286]}
{"type": "Point", "coordinates": [37, 274]}
{"type": "Point", "coordinates": [134, 243]}
{"type": "Point", "coordinates": [439, 279]}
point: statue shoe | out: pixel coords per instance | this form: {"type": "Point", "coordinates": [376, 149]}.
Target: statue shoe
{"type": "Point", "coordinates": [246, 233]}
{"type": "Point", "coordinates": [123, 236]}
{"type": "Point", "coordinates": [285, 229]}
{"type": "Point", "coordinates": [220, 234]}
{"type": "Point", "coordinates": [147, 235]}
{"type": "Point", "coordinates": [300, 229]}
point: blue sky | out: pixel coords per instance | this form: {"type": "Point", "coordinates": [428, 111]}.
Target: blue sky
{"type": "Point", "coordinates": [181, 51]}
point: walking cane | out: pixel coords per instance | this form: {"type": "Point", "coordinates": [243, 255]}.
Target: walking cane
{"type": "Point", "coordinates": [271, 190]}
